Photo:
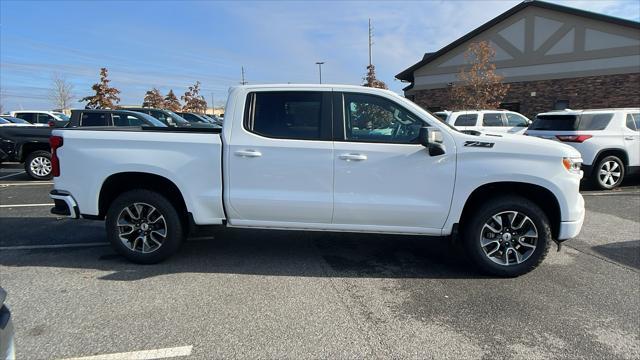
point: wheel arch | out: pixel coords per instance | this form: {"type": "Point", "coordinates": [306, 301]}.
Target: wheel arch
{"type": "Point", "coordinates": [620, 153]}
{"type": "Point", "coordinates": [29, 147]}
{"type": "Point", "coordinates": [119, 183]}
{"type": "Point", "coordinates": [541, 196]}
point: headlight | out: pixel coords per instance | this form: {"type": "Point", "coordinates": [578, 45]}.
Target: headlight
{"type": "Point", "coordinates": [572, 164]}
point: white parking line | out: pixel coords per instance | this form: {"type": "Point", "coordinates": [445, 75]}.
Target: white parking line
{"type": "Point", "coordinates": [142, 355]}
{"type": "Point", "coordinates": [29, 183]}
{"type": "Point", "coordinates": [55, 246]}
{"type": "Point", "coordinates": [10, 175]}
{"type": "Point", "coordinates": [24, 205]}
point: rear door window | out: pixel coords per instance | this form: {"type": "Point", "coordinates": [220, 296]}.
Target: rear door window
{"type": "Point", "coordinates": [288, 115]}
{"type": "Point", "coordinates": [94, 119]}
{"type": "Point", "coordinates": [633, 121]}
{"type": "Point", "coordinates": [466, 120]}
{"type": "Point", "coordinates": [492, 119]}
{"type": "Point", "coordinates": [30, 117]}
{"type": "Point", "coordinates": [594, 121]}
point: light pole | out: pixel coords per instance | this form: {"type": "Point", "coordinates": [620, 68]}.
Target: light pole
{"type": "Point", "coordinates": [319, 63]}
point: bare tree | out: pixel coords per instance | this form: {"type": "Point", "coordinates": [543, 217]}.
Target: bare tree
{"type": "Point", "coordinates": [105, 96]}
{"type": "Point", "coordinates": [61, 92]}
{"type": "Point", "coordinates": [479, 87]}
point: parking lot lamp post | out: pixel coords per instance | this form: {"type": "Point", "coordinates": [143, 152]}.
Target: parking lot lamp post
{"type": "Point", "coordinates": [319, 63]}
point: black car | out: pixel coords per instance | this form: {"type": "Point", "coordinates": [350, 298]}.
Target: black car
{"type": "Point", "coordinates": [104, 117]}
{"type": "Point", "coordinates": [168, 117]}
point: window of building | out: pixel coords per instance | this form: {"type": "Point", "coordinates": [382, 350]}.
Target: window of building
{"type": "Point", "coordinates": [434, 108]}
{"type": "Point", "coordinates": [492, 119]}
{"type": "Point", "coordinates": [286, 115]}
{"type": "Point", "coordinates": [511, 106]}
{"type": "Point", "coordinates": [466, 120]}
{"type": "Point", "coordinates": [371, 118]}
{"type": "Point", "coordinates": [94, 119]}
{"type": "Point", "coordinates": [561, 105]}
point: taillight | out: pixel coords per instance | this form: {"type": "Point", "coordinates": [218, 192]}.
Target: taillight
{"type": "Point", "coordinates": [56, 142]}
{"type": "Point", "coordinates": [573, 138]}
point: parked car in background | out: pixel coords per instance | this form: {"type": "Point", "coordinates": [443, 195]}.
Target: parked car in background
{"type": "Point", "coordinates": [42, 118]}
{"type": "Point", "coordinates": [6, 120]}
{"type": "Point", "coordinates": [494, 121]}
{"type": "Point", "coordinates": [194, 118]}
{"type": "Point", "coordinates": [507, 197]}
{"type": "Point", "coordinates": [214, 119]}
{"type": "Point", "coordinates": [83, 117]}
{"type": "Point", "coordinates": [608, 139]}
{"type": "Point", "coordinates": [7, 343]}
{"type": "Point", "coordinates": [168, 117]}
{"type": "Point", "coordinates": [442, 115]}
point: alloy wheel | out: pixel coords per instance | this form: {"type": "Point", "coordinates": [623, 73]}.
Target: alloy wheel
{"type": "Point", "coordinates": [508, 238]}
{"type": "Point", "coordinates": [41, 166]}
{"type": "Point", "coordinates": [609, 173]}
{"type": "Point", "coordinates": [141, 228]}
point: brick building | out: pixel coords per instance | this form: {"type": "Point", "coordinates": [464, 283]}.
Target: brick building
{"type": "Point", "coordinates": [553, 57]}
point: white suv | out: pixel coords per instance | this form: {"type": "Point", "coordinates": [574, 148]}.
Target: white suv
{"type": "Point", "coordinates": [608, 139]}
{"type": "Point", "coordinates": [42, 118]}
{"type": "Point", "coordinates": [496, 121]}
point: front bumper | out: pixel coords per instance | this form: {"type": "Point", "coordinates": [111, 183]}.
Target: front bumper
{"type": "Point", "coordinates": [64, 204]}
{"type": "Point", "coordinates": [571, 229]}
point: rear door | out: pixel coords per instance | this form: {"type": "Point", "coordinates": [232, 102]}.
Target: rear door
{"type": "Point", "coordinates": [632, 138]}
{"type": "Point", "coordinates": [494, 122]}
{"type": "Point", "coordinates": [384, 179]}
{"type": "Point", "coordinates": [280, 160]}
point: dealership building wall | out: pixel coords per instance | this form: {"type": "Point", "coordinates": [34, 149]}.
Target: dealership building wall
{"type": "Point", "coordinates": [552, 57]}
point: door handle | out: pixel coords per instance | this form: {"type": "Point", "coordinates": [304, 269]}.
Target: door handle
{"type": "Point", "coordinates": [628, 137]}
{"type": "Point", "coordinates": [248, 153]}
{"type": "Point", "coordinates": [353, 157]}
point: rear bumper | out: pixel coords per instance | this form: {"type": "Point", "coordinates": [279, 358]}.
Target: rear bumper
{"type": "Point", "coordinates": [64, 204]}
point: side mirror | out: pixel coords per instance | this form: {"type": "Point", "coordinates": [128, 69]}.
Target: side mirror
{"type": "Point", "coordinates": [431, 139]}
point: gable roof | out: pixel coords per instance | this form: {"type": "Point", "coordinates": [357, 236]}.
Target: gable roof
{"type": "Point", "coordinates": [407, 74]}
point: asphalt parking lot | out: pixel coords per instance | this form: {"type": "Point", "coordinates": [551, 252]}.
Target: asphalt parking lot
{"type": "Point", "coordinates": [259, 294]}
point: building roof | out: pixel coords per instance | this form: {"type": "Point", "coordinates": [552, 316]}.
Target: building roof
{"type": "Point", "coordinates": [407, 74]}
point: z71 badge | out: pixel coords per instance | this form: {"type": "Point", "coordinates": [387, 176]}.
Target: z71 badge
{"type": "Point", "coordinates": [478, 144]}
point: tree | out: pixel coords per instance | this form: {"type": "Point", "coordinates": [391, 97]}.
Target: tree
{"type": "Point", "coordinates": [105, 97]}
{"type": "Point", "coordinates": [193, 101]}
{"type": "Point", "coordinates": [479, 87]}
{"type": "Point", "coordinates": [171, 102]}
{"type": "Point", "coordinates": [153, 99]}
{"type": "Point", "coordinates": [61, 92]}
{"type": "Point", "coordinates": [370, 79]}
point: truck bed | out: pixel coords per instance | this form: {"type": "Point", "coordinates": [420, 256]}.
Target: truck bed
{"type": "Point", "coordinates": [190, 158]}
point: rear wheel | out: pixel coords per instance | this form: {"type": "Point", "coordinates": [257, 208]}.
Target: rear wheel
{"type": "Point", "coordinates": [144, 226]}
{"type": "Point", "coordinates": [609, 173]}
{"type": "Point", "coordinates": [38, 165]}
{"type": "Point", "coordinates": [507, 236]}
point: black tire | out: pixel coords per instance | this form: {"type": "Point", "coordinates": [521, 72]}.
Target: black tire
{"type": "Point", "coordinates": [473, 229]}
{"type": "Point", "coordinates": [174, 226]}
{"type": "Point", "coordinates": [36, 165]}
{"type": "Point", "coordinates": [603, 183]}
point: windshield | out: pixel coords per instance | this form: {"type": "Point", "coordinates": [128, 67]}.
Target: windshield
{"type": "Point", "coordinates": [62, 116]}
{"type": "Point", "coordinates": [177, 118]}
{"type": "Point", "coordinates": [152, 120]}
{"type": "Point", "coordinates": [3, 121]}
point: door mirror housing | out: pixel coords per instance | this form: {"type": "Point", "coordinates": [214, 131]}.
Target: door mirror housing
{"type": "Point", "coordinates": [431, 138]}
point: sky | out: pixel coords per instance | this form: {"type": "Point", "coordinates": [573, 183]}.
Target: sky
{"type": "Point", "coordinates": [173, 44]}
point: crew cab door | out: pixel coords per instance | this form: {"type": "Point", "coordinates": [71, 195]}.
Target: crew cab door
{"type": "Point", "coordinates": [384, 179]}
{"type": "Point", "coordinates": [280, 160]}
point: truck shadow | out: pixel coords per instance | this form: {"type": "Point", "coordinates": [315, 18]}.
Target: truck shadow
{"type": "Point", "coordinates": [624, 252]}
{"type": "Point", "coordinates": [250, 252]}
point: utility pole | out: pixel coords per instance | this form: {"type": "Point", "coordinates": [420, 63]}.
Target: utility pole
{"type": "Point", "coordinates": [243, 82]}
{"type": "Point", "coordinates": [370, 41]}
{"type": "Point", "coordinates": [319, 63]}
{"type": "Point", "coordinates": [213, 105]}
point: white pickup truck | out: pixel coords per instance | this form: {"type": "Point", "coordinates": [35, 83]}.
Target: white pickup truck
{"type": "Point", "coordinates": [327, 158]}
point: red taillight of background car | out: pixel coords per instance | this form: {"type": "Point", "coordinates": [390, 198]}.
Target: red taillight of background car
{"type": "Point", "coordinates": [56, 143]}
{"type": "Point", "coordinates": [51, 123]}
{"type": "Point", "coordinates": [573, 138]}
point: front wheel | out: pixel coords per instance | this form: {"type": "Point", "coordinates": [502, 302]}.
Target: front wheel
{"type": "Point", "coordinates": [144, 226]}
{"type": "Point", "coordinates": [507, 236]}
{"type": "Point", "coordinates": [38, 165]}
